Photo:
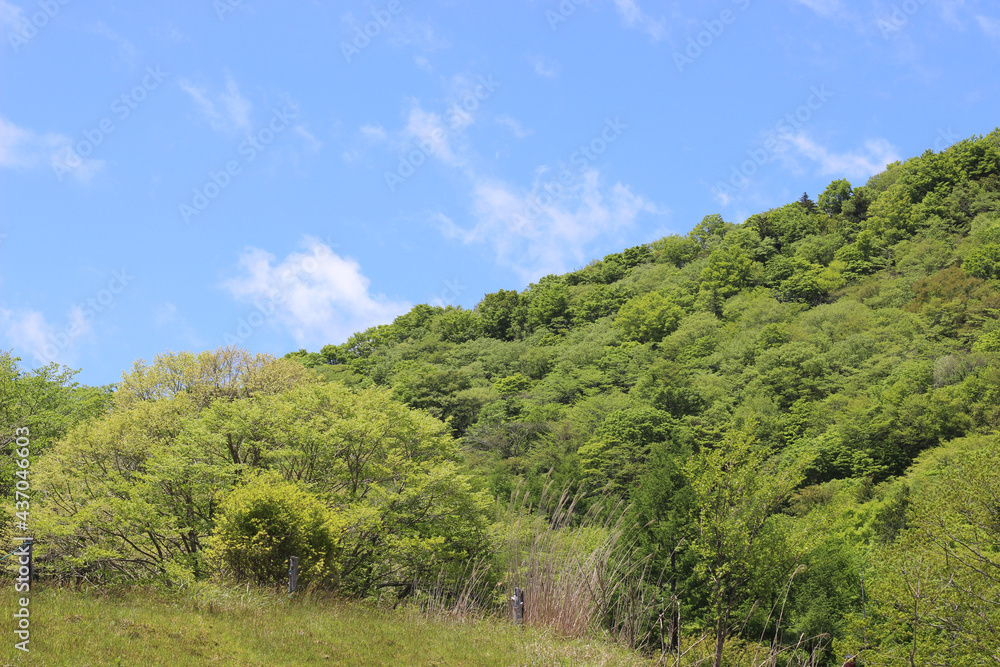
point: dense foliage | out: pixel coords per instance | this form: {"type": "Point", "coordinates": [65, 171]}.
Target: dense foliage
{"type": "Point", "coordinates": [843, 338]}
{"type": "Point", "coordinates": [800, 411]}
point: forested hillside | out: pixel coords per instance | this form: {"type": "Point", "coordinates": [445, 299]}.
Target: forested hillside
{"type": "Point", "coordinates": [777, 441]}
{"type": "Point", "coordinates": [841, 341]}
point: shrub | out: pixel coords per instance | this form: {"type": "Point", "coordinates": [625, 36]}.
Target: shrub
{"type": "Point", "coordinates": [265, 522]}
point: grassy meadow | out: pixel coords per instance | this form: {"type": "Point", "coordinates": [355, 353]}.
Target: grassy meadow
{"type": "Point", "coordinates": [223, 627]}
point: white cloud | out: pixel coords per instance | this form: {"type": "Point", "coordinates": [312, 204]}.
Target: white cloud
{"type": "Point", "coordinates": [227, 111]}
{"type": "Point", "coordinates": [824, 7]}
{"type": "Point", "coordinates": [515, 127]}
{"type": "Point", "coordinates": [858, 164]}
{"type": "Point", "coordinates": [988, 25]}
{"type": "Point", "coordinates": [417, 34]}
{"type": "Point", "coordinates": [126, 49]}
{"type": "Point", "coordinates": [21, 148]}
{"type": "Point", "coordinates": [633, 17]}
{"type": "Point", "coordinates": [375, 133]}
{"type": "Point", "coordinates": [429, 131]}
{"type": "Point", "coordinates": [549, 227]}
{"type": "Point", "coordinates": [319, 296]}
{"type": "Point", "coordinates": [309, 141]}
{"type": "Point", "coordinates": [10, 15]}
{"type": "Point", "coordinates": [535, 233]}
{"type": "Point", "coordinates": [28, 331]}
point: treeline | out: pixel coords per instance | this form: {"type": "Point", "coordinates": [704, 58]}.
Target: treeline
{"type": "Point", "coordinates": [799, 413]}
{"type": "Point", "coordinates": [848, 338]}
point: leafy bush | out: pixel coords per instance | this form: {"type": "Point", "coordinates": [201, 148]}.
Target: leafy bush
{"type": "Point", "coordinates": [264, 522]}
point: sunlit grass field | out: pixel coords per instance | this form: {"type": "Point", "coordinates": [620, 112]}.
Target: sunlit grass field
{"type": "Point", "coordinates": [219, 627]}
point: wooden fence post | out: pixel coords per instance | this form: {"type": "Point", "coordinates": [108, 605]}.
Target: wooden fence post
{"type": "Point", "coordinates": [293, 574]}
{"type": "Point", "coordinates": [517, 605]}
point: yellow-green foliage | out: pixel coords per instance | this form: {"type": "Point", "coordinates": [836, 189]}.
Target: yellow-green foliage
{"type": "Point", "coordinates": [649, 317]}
{"type": "Point", "coordinates": [135, 495]}
{"type": "Point", "coordinates": [267, 520]}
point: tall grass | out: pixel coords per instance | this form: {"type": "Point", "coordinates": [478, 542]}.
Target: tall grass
{"type": "Point", "coordinates": [219, 626]}
{"type": "Point", "coordinates": [578, 573]}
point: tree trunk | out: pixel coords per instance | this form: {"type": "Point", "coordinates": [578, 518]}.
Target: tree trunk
{"type": "Point", "coordinates": [720, 632]}
{"type": "Point", "coordinates": [675, 630]}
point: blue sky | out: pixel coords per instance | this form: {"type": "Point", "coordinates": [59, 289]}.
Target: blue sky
{"type": "Point", "coordinates": [179, 176]}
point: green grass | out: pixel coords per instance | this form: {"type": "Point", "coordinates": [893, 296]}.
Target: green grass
{"type": "Point", "coordinates": [219, 627]}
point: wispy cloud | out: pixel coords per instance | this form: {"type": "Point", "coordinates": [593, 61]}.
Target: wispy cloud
{"type": "Point", "coordinates": [11, 16]}
{"type": "Point", "coordinates": [634, 17]}
{"type": "Point", "coordinates": [226, 111]}
{"type": "Point", "coordinates": [536, 234]}
{"type": "Point", "coordinates": [319, 296]}
{"type": "Point", "coordinates": [990, 26]}
{"type": "Point", "coordinates": [857, 164]}
{"type": "Point", "coordinates": [429, 130]}
{"type": "Point", "coordinates": [309, 140]}
{"type": "Point", "coordinates": [827, 8]}
{"type": "Point", "coordinates": [126, 49]}
{"type": "Point", "coordinates": [21, 148]}
{"type": "Point", "coordinates": [416, 34]}
{"type": "Point", "coordinates": [29, 332]}
{"type": "Point", "coordinates": [514, 126]}
{"type": "Point", "coordinates": [375, 133]}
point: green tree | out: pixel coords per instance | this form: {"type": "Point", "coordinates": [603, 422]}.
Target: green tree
{"type": "Point", "coordinates": [135, 494]}
{"type": "Point", "coordinates": [456, 325]}
{"type": "Point", "coordinates": [676, 250]}
{"type": "Point", "coordinates": [936, 591]}
{"type": "Point", "coordinates": [727, 272]}
{"type": "Point", "coordinates": [439, 391]}
{"type": "Point", "coordinates": [736, 489]}
{"type": "Point", "coordinates": [548, 304]}
{"type": "Point", "coordinates": [835, 196]}
{"type": "Point", "coordinates": [711, 229]}
{"type": "Point", "coordinates": [593, 302]}
{"type": "Point", "coordinates": [617, 453]}
{"type": "Point", "coordinates": [808, 204]}
{"type": "Point", "coordinates": [503, 315]}
{"type": "Point", "coordinates": [983, 262]}
{"type": "Point", "coordinates": [45, 401]}
{"type": "Point", "coordinates": [648, 318]}
{"type": "Point", "coordinates": [415, 324]}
